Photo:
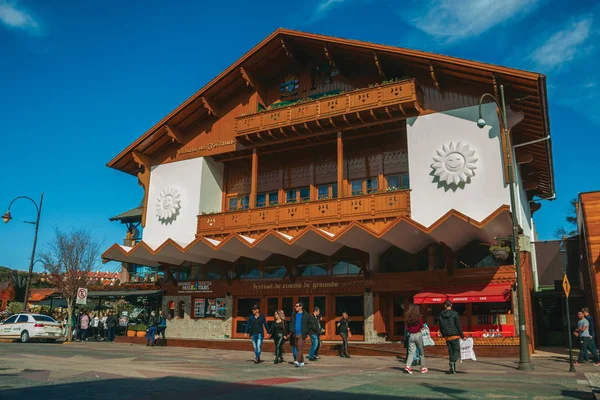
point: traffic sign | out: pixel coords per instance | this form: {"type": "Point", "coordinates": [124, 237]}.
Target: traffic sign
{"type": "Point", "coordinates": [566, 286]}
{"type": "Point", "coordinates": [81, 296]}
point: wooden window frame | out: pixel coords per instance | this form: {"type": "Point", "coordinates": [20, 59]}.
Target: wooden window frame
{"type": "Point", "coordinates": [298, 198]}
{"type": "Point", "coordinates": [399, 175]}
{"type": "Point", "coordinates": [364, 189]}
{"type": "Point", "coordinates": [238, 197]}
{"type": "Point", "coordinates": [268, 200]}
{"type": "Point", "coordinates": [329, 191]}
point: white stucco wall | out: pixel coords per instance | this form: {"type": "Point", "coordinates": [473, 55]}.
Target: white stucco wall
{"type": "Point", "coordinates": [196, 181]}
{"type": "Point", "coordinates": [483, 193]}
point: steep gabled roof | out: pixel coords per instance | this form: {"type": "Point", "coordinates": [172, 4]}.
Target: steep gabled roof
{"type": "Point", "coordinates": [287, 42]}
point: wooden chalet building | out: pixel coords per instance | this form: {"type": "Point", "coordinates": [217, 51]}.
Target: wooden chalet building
{"type": "Point", "coordinates": [346, 175]}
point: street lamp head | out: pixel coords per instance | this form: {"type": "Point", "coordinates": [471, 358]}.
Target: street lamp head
{"type": "Point", "coordinates": [481, 123]}
{"type": "Point", "coordinates": [6, 217]}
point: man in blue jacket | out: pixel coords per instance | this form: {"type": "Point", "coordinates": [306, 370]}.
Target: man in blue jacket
{"type": "Point", "coordinates": [299, 325]}
{"type": "Point", "coordinates": [255, 328]}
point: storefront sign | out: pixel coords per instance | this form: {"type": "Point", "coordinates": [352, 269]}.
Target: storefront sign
{"type": "Point", "coordinates": [300, 285]}
{"type": "Point", "coordinates": [195, 287]}
{"type": "Point", "coordinates": [206, 147]}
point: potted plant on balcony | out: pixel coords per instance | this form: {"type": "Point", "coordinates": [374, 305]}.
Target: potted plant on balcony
{"type": "Point", "coordinates": [500, 250]}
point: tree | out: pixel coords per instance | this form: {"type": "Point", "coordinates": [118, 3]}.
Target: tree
{"type": "Point", "coordinates": [14, 307]}
{"type": "Point", "coordinates": [68, 259]}
{"type": "Point", "coordinates": [571, 219]}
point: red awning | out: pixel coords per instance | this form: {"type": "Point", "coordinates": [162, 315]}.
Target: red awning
{"type": "Point", "coordinates": [466, 294]}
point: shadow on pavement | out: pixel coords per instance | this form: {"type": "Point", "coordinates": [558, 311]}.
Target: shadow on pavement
{"type": "Point", "coordinates": [182, 388]}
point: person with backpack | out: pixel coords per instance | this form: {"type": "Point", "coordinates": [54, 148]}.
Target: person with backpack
{"type": "Point", "coordinates": [451, 330]}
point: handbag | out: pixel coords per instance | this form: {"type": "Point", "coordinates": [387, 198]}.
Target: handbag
{"type": "Point", "coordinates": [427, 340]}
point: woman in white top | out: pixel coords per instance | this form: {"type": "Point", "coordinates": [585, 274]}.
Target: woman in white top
{"type": "Point", "coordinates": [102, 326]}
{"type": "Point", "coordinates": [94, 323]}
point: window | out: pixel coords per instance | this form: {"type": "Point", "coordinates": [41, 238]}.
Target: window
{"type": "Point", "coordinates": [244, 306]}
{"type": "Point", "coordinates": [43, 318]}
{"type": "Point", "coordinates": [275, 271]}
{"type": "Point", "coordinates": [250, 269]}
{"type": "Point", "coordinates": [264, 199]}
{"type": "Point", "coordinates": [239, 203]}
{"type": "Point", "coordinates": [362, 186]}
{"type": "Point", "coordinates": [312, 264]}
{"type": "Point", "coordinates": [182, 274]}
{"type": "Point", "coordinates": [11, 320]}
{"type": "Point", "coordinates": [22, 318]}
{"type": "Point", "coordinates": [296, 195]}
{"type": "Point", "coordinates": [396, 182]}
{"type": "Point", "coordinates": [213, 272]}
{"type": "Point", "coordinates": [346, 268]}
{"type": "Point", "coordinates": [312, 270]}
{"type": "Point", "coordinates": [272, 306]}
{"type": "Point", "coordinates": [353, 305]}
{"type": "Point", "coordinates": [328, 191]}
{"type": "Point", "coordinates": [199, 307]}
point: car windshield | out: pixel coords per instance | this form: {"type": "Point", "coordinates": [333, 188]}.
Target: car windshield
{"type": "Point", "coordinates": [43, 318]}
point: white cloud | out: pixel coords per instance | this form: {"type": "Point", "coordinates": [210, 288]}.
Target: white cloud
{"type": "Point", "coordinates": [453, 21]}
{"type": "Point", "coordinates": [565, 45]}
{"type": "Point", "coordinates": [14, 16]}
{"type": "Point", "coordinates": [324, 7]}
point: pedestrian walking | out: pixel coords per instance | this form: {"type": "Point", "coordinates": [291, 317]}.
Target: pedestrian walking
{"type": "Point", "coordinates": [255, 328]}
{"type": "Point", "coordinates": [451, 330]}
{"type": "Point", "coordinates": [162, 327]}
{"type": "Point", "coordinates": [111, 326]}
{"type": "Point", "coordinates": [343, 326]}
{"type": "Point", "coordinates": [583, 333]}
{"type": "Point", "coordinates": [414, 324]}
{"type": "Point", "coordinates": [314, 332]}
{"type": "Point", "coordinates": [592, 330]}
{"type": "Point", "coordinates": [278, 332]}
{"type": "Point", "coordinates": [299, 324]}
{"type": "Point", "coordinates": [321, 331]}
{"type": "Point", "coordinates": [152, 325]}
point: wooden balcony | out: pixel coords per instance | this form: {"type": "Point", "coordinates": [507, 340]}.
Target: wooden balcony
{"type": "Point", "coordinates": [391, 101]}
{"type": "Point", "coordinates": [318, 212]}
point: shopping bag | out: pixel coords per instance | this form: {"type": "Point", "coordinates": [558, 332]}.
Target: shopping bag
{"type": "Point", "coordinates": [427, 340]}
{"type": "Point", "coordinates": [466, 350]}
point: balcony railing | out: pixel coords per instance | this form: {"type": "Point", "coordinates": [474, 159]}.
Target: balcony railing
{"type": "Point", "coordinates": [397, 97]}
{"type": "Point", "coordinates": [318, 212]}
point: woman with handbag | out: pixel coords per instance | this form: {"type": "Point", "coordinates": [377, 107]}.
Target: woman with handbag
{"type": "Point", "coordinates": [414, 324]}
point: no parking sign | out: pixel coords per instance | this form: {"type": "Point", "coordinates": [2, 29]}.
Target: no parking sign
{"type": "Point", "coordinates": [81, 296]}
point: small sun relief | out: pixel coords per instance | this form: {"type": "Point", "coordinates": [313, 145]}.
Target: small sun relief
{"type": "Point", "coordinates": [169, 203]}
{"type": "Point", "coordinates": [454, 163]}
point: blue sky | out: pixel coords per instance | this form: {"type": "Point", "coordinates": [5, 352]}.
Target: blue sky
{"type": "Point", "coordinates": [80, 80]}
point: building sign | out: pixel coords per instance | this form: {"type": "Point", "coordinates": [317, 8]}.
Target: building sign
{"type": "Point", "coordinates": [195, 287]}
{"type": "Point", "coordinates": [300, 285]}
{"type": "Point", "coordinates": [206, 147]}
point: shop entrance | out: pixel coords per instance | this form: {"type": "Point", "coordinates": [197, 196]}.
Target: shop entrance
{"type": "Point", "coordinates": [392, 309]}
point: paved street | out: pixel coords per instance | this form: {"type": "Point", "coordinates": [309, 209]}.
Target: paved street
{"type": "Point", "coordinates": [124, 371]}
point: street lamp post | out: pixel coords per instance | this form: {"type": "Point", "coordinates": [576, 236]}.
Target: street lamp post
{"type": "Point", "coordinates": [524, 359]}
{"type": "Point", "coordinates": [7, 217]}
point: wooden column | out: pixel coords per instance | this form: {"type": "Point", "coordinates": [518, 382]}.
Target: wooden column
{"type": "Point", "coordinates": [254, 179]}
{"type": "Point", "coordinates": [340, 165]}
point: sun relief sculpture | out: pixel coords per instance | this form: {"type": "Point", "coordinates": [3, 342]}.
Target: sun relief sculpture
{"type": "Point", "coordinates": [169, 203]}
{"type": "Point", "coordinates": [454, 163]}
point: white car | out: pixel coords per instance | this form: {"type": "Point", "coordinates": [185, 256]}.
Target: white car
{"type": "Point", "coordinates": [26, 326]}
